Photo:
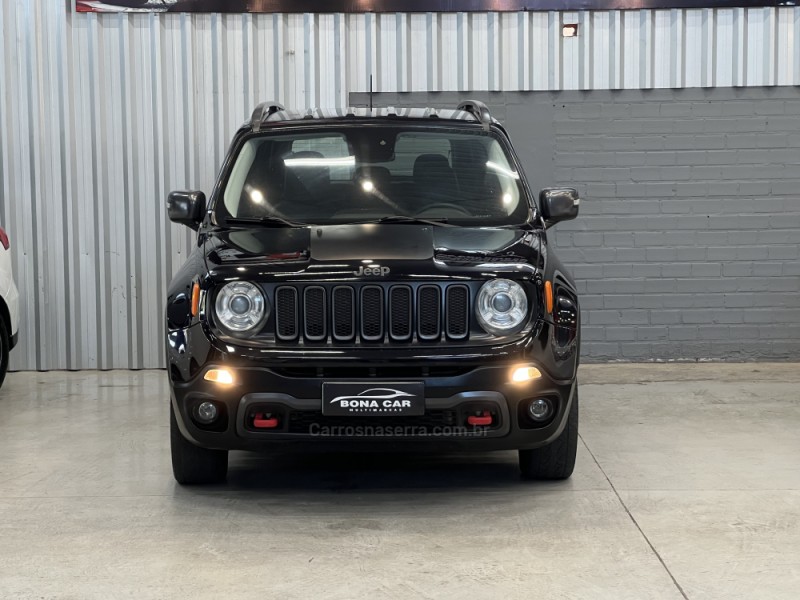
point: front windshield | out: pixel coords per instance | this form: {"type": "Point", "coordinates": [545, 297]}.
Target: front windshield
{"type": "Point", "coordinates": [363, 173]}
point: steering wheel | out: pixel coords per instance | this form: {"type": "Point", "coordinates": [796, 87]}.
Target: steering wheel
{"type": "Point", "coordinates": [446, 205]}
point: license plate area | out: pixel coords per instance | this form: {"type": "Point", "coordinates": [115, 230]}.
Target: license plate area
{"type": "Point", "coordinates": [371, 399]}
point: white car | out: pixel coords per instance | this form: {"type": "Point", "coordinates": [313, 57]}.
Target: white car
{"type": "Point", "coordinates": [9, 306]}
{"type": "Point", "coordinates": [125, 5]}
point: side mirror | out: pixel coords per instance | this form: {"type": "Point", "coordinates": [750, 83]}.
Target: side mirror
{"type": "Point", "coordinates": [559, 204]}
{"type": "Point", "coordinates": [186, 208]}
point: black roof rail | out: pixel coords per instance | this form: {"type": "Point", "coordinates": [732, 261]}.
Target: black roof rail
{"type": "Point", "coordinates": [262, 112]}
{"type": "Point", "coordinates": [478, 110]}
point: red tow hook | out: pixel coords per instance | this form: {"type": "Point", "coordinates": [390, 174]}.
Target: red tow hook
{"type": "Point", "coordinates": [265, 421]}
{"type": "Point", "coordinates": [480, 420]}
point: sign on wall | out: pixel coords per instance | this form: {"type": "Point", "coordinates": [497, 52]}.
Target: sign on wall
{"type": "Point", "coordinates": [329, 6]}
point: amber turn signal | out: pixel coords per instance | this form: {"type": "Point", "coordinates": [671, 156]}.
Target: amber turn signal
{"type": "Point", "coordinates": [548, 297]}
{"type": "Point", "coordinates": [223, 376]}
{"type": "Point", "coordinates": [195, 299]}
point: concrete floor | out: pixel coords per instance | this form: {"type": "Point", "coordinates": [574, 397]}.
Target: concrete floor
{"type": "Point", "coordinates": [687, 486]}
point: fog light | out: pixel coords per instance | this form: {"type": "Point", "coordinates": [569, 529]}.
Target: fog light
{"type": "Point", "coordinates": [540, 409]}
{"type": "Point", "coordinates": [206, 412]}
{"type": "Point", "coordinates": [223, 376]}
{"type": "Point", "coordinates": [523, 374]}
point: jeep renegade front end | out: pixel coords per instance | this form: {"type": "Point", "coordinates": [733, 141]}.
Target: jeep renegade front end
{"type": "Point", "coordinates": [372, 279]}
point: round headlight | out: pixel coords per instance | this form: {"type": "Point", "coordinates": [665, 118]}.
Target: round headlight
{"type": "Point", "coordinates": [241, 307]}
{"type": "Point", "coordinates": [502, 306]}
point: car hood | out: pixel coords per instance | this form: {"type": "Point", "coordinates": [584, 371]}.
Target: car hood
{"type": "Point", "coordinates": [341, 250]}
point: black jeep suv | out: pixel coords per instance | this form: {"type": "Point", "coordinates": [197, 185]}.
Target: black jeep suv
{"type": "Point", "coordinates": [372, 279]}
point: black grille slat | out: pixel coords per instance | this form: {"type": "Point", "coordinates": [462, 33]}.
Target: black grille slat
{"type": "Point", "coordinates": [366, 372]}
{"type": "Point", "coordinates": [286, 326]}
{"type": "Point", "coordinates": [429, 313]}
{"type": "Point", "coordinates": [343, 313]}
{"type": "Point", "coordinates": [372, 313]}
{"type": "Point", "coordinates": [401, 313]}
{"type": "Point", "coordinates": [457, 310]}
{"type": "Point", "coordinates": [314, 313]}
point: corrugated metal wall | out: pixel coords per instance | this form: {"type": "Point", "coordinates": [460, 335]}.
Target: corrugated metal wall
{"type": "Point", "coordinates": [101, 115]}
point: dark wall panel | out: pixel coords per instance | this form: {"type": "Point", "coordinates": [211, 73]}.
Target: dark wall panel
{"type": "Point", "coordinates": [687, 243]}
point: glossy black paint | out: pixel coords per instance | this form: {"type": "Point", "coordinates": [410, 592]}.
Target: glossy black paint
{"type": "Point", "coordinates": [186, 208]}
{"type": "Point", "coordinates": [333, 254]}
{"type": "Point", "coordinates": [558, 204]}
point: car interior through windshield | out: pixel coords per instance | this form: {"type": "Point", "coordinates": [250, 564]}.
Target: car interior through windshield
{"type": "Point", "coordinates": [346, 175]}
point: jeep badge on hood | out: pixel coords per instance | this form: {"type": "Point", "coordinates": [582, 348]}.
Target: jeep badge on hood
{"type": "Point", "coordinates": [364, 271]}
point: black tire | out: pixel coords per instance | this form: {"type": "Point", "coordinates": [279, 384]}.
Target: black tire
{"type": "Point", "coordinates": [557, 459]}
{"type": "Point", "coordinates": [192, 465]}
{"type": "Point", "coordinates": [5, 347]}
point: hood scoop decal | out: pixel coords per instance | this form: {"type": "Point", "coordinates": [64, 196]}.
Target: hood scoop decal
{"type": "Point", "coordinates": [478, 258]}
{"type": "Point", "coordinates": [233, 255]}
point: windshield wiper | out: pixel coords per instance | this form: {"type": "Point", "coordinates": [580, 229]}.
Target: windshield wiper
{"type": "Point", "coordinates": [266, 221]}
{"type": "Point", "coordinates": [437, 222]}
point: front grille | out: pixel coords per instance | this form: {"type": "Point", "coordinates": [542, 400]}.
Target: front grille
{"type": "Point", "coordinates": [371, 313]}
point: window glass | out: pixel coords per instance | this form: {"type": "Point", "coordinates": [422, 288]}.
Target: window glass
{"type": "Point", "coordinates": [334, 146]}
{"type": "Point", "coordinates": [361, 173]}
{"type": "Point", "coordinates": [410, 146]}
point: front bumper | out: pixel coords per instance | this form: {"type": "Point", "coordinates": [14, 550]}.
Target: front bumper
{"type": "Point", "coordinates": [297, 400]}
